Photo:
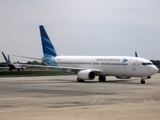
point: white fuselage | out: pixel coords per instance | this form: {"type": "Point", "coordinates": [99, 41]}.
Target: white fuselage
{"type": "Point", "coordinates": [87, 67]}
{"type": "Point", "coordinates": [110, 65]}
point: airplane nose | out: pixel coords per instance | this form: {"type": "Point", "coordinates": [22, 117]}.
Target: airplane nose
{"type": "Point", "coordinates": [155, 69]}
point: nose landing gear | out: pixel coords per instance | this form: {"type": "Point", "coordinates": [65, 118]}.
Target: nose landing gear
{"type": "Point", "coordinates": [144, 78]}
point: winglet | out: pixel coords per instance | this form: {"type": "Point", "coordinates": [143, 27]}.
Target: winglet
{"type": "Point", "coordinates": [136, 55]}
{"type": "Point", "coordinates": [48, 48]}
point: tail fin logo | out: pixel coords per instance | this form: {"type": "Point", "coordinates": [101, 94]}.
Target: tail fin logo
{"type": "Point", "coordinates": [48, 49]}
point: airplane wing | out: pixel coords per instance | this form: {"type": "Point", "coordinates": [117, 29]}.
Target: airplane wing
{"type": "Point", "coordinates": [71, 69]}
{"type": "Point", "coordinates": [30, 57]}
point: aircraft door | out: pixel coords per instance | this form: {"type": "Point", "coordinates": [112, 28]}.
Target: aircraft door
{"type": "Point", "coordinates": [148, 68]}
{"type": "Point", "coordinates": [134, 65]}
{"type": "Point", "coordinates": [93, 65]}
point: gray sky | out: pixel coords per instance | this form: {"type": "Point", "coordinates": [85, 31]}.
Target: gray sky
{"type": "Point", "coordinates": [81, 27]}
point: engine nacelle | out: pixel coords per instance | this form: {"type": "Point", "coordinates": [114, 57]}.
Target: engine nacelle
{"type": "Point", "coordinates": [122, 77]}
{"type": "Point", "coordinates": [86, 75]}
{"type": "Point", "coordinates": [23, 68]}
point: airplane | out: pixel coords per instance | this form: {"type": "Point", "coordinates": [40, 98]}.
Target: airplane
{"type": "Point", "coordinates": [12, 66]}
{"type": "Point", "coordinates": [88, 67]}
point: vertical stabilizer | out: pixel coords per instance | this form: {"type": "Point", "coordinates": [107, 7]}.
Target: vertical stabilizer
{"type": "Point", "coordinates": [136, 55]}
{"type": "Point", "coordinates": [7, 61]}
{"type": "Point", "coordinates": [48, 48]}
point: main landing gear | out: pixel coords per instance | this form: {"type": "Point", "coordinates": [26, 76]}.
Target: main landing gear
{"type": "Point", "coordinates": [102, 78]}
{"type": "Point", "coordinates": [80, 80]}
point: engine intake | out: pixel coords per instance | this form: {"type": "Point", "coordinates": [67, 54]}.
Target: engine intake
{"type": "Point", "coordinates": [86, 75]}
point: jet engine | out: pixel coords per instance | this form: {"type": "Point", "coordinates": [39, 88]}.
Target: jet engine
{"type": "Point", "coordinates": [86, 75]}
{"type": "Point", "coordinates": [23, 68]}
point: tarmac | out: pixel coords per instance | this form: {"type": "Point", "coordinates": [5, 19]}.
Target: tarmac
{"type": "Point", "coordinates": [62, 98]}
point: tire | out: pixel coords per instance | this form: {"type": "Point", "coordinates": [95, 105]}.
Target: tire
{"type": "Point", "coordinates": [143, 82]}
{"type": "Point", "coordinates": [80, 80]}
{"type": "Point", "coordinates": [102, 78]}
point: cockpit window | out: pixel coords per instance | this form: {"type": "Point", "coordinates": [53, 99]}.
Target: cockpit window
{"type": "Point", "coordinates": [146, 64]}
{"type": "Point", "coordinates": [143, 63]}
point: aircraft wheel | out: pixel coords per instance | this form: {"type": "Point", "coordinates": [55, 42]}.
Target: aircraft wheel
{"type": "Point", "coordinates": [80, 80]}
{"type": "Point", "coordinates": [102, 78]}
{"type": "Point", "coordinates": [143, 81]}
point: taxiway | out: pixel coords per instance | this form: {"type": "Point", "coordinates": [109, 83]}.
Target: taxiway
{"type": "Point", "coordinates": [62, 98]}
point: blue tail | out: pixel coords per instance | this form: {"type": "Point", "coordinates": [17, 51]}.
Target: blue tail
{"type": "Point", "coordinates": [136, 55]}
{"type": "Point", "coordinates": [7, 61]}
{"type": "Point", "coordinates": [48, 48]}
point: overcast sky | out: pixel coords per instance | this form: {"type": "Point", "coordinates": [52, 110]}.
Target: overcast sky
{"type": "Point", "coordinates": [81, 27]}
